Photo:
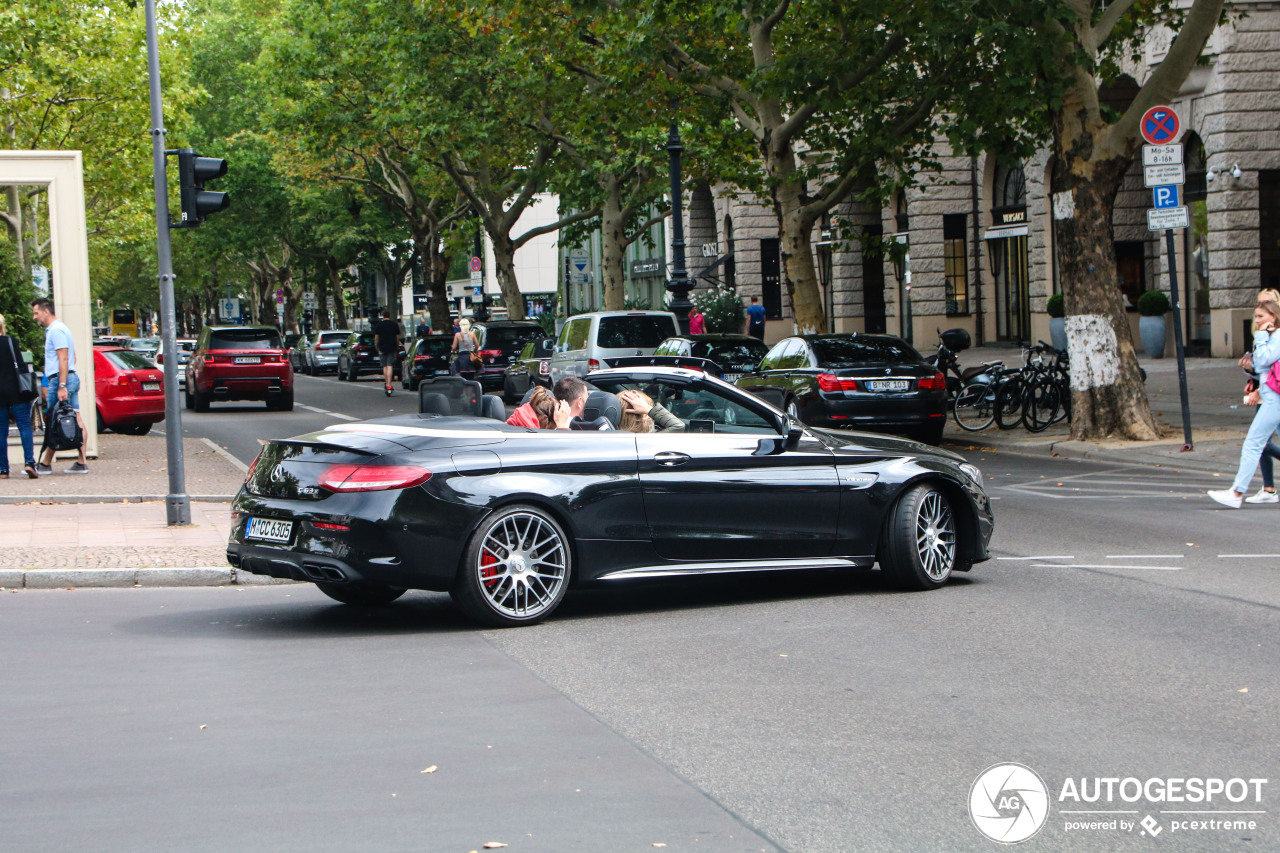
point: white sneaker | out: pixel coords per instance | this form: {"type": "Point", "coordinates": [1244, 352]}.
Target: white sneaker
{"type": "Point", "coordinates": [1227, 498]}
{"type": "Point", "coordinates": [1263, 497]}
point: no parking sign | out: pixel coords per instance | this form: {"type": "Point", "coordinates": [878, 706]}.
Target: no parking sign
{"type": "Point", "coordinates": [1159, 125]}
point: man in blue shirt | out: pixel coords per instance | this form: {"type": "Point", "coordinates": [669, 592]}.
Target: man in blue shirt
{"type": "Point", "coordinates": [755, 318]}
{"type": "Point", "coordinates": [60, 373]}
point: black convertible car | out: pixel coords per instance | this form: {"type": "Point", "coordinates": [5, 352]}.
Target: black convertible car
{"type": "Point", "coordinates": [508, 518]}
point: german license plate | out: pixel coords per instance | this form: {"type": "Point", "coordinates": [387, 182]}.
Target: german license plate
{"type": "Point", "coordinates": [732, 377]}
{"type": "Point", "coordinates": [150, 386]}
{"type": "Point", "coordinates": [269, 529]}
{"type": "Point", "coordinates": [888, 384]}
{"type": "Point", "coordinates": [248, 359]}
{"type": "Point", "coordinates": [442, 373]}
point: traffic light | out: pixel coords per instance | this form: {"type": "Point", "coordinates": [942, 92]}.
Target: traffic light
{"type": "Point", "coordinates": [197, 202]}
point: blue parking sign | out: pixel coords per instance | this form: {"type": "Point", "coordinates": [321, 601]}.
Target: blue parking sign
{"type": "Point", "coordinates": [1165, 196]}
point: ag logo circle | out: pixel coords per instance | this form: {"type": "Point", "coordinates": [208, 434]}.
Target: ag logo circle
{"type": "Point", "coordinates": [1008, 803]}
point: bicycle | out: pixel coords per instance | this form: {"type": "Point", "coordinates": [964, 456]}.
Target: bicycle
{"type": "Point", "coordinates": [1047, 396]}
{"type": "Point", "coordinates": [974, 404]}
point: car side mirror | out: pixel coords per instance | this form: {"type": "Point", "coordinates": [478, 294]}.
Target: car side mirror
{"type": "Point", "coordinates": [794, 434]}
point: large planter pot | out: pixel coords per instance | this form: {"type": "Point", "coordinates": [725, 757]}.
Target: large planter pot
{"type": "Point", "coordinates": [1152, 330]}
{"type": "Point", "coordinates": [1058, 332]}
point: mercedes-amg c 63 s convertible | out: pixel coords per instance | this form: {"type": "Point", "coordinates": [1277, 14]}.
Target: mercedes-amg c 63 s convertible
{"type": "Point", "coordinates": [507, 519]}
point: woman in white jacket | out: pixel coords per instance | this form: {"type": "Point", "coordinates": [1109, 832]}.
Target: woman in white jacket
{"type": "Point", "coordinates": [1266, 352]}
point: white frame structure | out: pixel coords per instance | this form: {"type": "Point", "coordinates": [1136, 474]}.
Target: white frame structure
{"type": "Point", "coordinates": [62, 174]}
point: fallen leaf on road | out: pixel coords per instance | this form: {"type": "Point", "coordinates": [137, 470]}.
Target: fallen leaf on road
{"type": "Point", "coordinates": [493, 845]}
{"type": "Point", "coordinates": [203, 726]}
{"type": "Point", "coordinates": [659, 844]}
{"type": "Point", "coordinates": [431, 769]}
{"type": "Point", "coordinates": [1243, 690]}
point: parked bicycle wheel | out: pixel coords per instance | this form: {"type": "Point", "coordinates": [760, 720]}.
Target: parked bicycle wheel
{"type": "Point", "coordinates": [1041, 403]}
{"type": "Point", "coordinates": [1008, 401]}
{"type": "Point", "coordinates": [974, 407]}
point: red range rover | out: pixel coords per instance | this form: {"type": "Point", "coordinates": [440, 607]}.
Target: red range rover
{"type": "Point", "coordinates": [240, 363]}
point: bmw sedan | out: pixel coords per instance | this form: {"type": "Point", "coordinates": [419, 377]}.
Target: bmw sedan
{"type": "Point", "coordinates": [508, 519]}
{"type": "Point", "coordinates": [871, 382]}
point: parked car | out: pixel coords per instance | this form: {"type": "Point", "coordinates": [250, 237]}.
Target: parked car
{"type": "Point", "coordinates": [730, 357]}
{"type": "Point", "coordinates": [424, 359]}
{"type": "Point", "coordinates": [147, 347]}
{"type": "Point", "coordinates": [874, 382]}
{"type": "Point", "coordinates": [359, 355]}
{"type": "Point", "coordinates": [500, 342]}
{"type": "Point", "coordinates": [513, 517]}
{"type": "Point", "coordinates": [185, 347]}
{"type": "Point", "coordinates": [129, 391]}
{"type": "Point", "coordinates": [239, 363]}
{"type": "Point", "coordinates": [531, 367]}
{"type": "Point", "coordinates": [293, 343]}
{"type": "Point", "coordinates": [588, 341]}
{"type": "Point", "coordinates": [320, 351]}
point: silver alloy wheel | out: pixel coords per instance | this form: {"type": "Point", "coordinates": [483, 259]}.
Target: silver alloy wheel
{"type": "Point", "coordinates": [793, 410]}
{"type": "Point", "coordinates": [522, 565]}
{"type": "Point", "coordinates": [936, 536]}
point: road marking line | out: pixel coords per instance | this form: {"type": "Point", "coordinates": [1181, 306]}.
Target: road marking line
{"type": "Point", "coordinates": [1104, 566]}
{"type": "Point", "coordinates": [1046, 557]}
{"type": "Point", "coordinates": [313, 409]}
{"type": "Point", "coordinates": [243, 468]}
{"type": "Point", "coordinates": [341, 416]}
{"type": "Point", "coordinates": [1249, 556]}
{"type": "Point", "coordinates": [1144, 556]}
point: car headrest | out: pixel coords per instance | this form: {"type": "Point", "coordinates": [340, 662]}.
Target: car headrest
{"type": "Point", "coordinates": [433, 404]}
{"type": "Point", "coordinates": [491, 406]}
{"type": "Point", "coordinates": [602, 404]}
{"type": "Point", "coordinates": [600, 424]}
{"type": "Point", "coordinates": [462, 394]}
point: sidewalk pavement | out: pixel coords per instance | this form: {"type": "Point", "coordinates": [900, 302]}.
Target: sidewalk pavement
{"type": "Point", "coordinates": [108, 528]}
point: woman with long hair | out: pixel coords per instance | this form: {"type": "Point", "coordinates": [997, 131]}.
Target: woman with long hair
{"type": "Point", "coordinates": [465, 349]}
{"type": "Point", "coordinates": [1265, 354]}
{"type": "Point", "coordinates": [13, 403]}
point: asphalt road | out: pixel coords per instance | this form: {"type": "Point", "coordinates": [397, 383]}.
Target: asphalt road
{"type": "Point", "coordinates": [1126, 627]}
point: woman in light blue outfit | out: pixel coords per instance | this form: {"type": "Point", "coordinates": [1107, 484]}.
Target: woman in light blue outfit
{"type": "Point", "coordinates": [1266, 352]}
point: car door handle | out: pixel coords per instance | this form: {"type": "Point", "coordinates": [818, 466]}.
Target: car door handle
{"type": "Point", "coordinates": [670, 459]}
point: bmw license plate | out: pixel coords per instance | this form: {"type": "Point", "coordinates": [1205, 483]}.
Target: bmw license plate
{"type": "Point", "coordinates": [150, 386]}
{"type": "Point", "coordinates": [269, 529]}
{"type": "Point", "coordinates": [888, 384]}
{"type": "Point", "coordinates": [248, 359]}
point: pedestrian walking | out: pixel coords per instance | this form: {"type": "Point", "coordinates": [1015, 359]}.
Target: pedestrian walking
{"type": "Point", "coordinates": [755, 318]}
{"type": "Point", "coordinates": [697, 321]}
{"type": "Point", "coordinates": [64, 382]}
{"type": "Point", "coordinates": [466, 350]}
{"type": "Point", "coordinates": [386, 334]}
{"type": "Point", "coordinates": [1264, 359]}
{"type": "Point", "coordinates": [17, 390]}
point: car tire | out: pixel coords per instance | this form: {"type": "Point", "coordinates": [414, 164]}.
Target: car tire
{"type": "Point", "coordinates": [134, 429]}
{"type": "Point", "coordinates": [282, 403]}
{"type": "Point", "coordinates": [99, 425]}
{"type": "Point", "coordinates": [186, 393]}
{"type": "Point", "coordinates": [919, 545]}
{"type": "Point", "coordinates": [201, 400]}
{"type": "Point", "coordinates": [793, 408]}
{"type": "Point", "coordinates": [497, 584]}
{"type": "Point", "coordinates": [508, 393]}
{"type": "Point", "coordinates": [353, 373]}
{"type": "Point", "coordinates": [363, 594]}
{"type": "Point", "coordinates": [931, 435]}
{"type": "Point", "coordinates": [310, 369]}
{"type": "Point", "coordinates": [342, 377]}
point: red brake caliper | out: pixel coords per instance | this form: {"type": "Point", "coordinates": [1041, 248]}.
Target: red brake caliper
{"type": "Point", "coordinates": [488, 574]}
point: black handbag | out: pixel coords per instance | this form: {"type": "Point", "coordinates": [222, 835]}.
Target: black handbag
{"type": "Point", "coordinates": [63, 432]}
{"type": "Point", "coordinates": [26, 378]}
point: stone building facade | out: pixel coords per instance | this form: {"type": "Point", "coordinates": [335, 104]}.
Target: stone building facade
{"type": "Point", "coordinates": [978, 235]}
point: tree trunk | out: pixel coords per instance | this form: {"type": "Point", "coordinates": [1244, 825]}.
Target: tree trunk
{"type": "Point", "coordinates": [334, 273]}
{"type": "Point", "coordinates": [504, 254]}
{"type": "Point", "coordinates": [795, 243]}
{"type": "Point", "coordinates": [1107, 396]}
{"type": "Point", "coordinates": [437, 293]}
{"type": "Point", "coordinates": [613, 245]}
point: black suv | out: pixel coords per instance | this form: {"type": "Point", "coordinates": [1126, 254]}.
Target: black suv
{"type": "Point", "coordinates": [500, 342]}
{"type": "Point", "coordinates": [426, 358]}
{"type": "Point", "coordinates": [359, 355]}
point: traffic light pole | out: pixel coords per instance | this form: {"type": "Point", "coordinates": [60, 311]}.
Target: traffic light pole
{"type": "Point", "coordinates": [177, 504]}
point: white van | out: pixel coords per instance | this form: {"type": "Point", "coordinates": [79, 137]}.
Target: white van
{"type": "Point", "coordinates": [588, 341]}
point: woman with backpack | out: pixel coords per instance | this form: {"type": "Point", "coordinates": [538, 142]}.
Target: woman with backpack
{"type": "Point", "coordinates": [1265, 361]}
{"type": "Point", "coordinates": [17, 390]}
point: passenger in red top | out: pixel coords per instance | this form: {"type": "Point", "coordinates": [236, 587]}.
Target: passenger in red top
{"type": "Point", "coordinates": [541, 412]}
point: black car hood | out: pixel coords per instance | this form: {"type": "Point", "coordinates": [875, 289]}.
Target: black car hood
{"type": "Point", "coordinates": [850, 442]}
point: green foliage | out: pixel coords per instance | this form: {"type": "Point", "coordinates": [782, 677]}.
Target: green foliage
{"type": "Point", "coordinates": [632, 303]}
{"type": "Point", "coordinates": [1055, 306]}
{"type": "Point", "coordinates": [1153, 303]}
{"type": "Point", "coordinates": [16, 293]}
{"type": "Point", "coordinates": [721, 308]}
{"type": "Point", "coordinates": [548, 323]}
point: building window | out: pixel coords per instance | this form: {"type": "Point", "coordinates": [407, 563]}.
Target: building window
{"type": "Point", "coordinates": [954, 245]}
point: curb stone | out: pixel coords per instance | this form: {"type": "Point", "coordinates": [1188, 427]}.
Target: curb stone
{"type": "Point", "coordinates": [15, 579]}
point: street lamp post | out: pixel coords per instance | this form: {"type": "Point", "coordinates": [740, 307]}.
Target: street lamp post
{"type": "Point", "coordinates": [679, 284]}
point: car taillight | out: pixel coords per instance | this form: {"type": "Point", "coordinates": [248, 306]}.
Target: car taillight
{"type": "Point", "coordinates": [210, 359]}
{"type": "Point", "coordinates": [593, 364]}
{"type": "Point", "coordinates": [122, 379]}
{"type": "Point", "coordinates": [418, 358]}
{"type": "Point", "coordinates": [544, 368]}
{"type": "Point", "coordinates": [490, 353]}
{"type": "Point", "coordinates": [324, 525]}
{"type": "Point", "coordinates": [937, 382]}
{"type": "Point", "coordinates": [831, 382]}
{"type": "Point", "coordinates": [248, 475]}
{"type": "Point", "coordinates": [362, 349]}
{"type": "Point", "coordinates": [372, 478]}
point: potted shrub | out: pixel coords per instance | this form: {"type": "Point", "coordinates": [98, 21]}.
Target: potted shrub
{"type": "Point", "coordinates": [1057, 321]}
{"type": "Point", "coordinates": [1153, 305]}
